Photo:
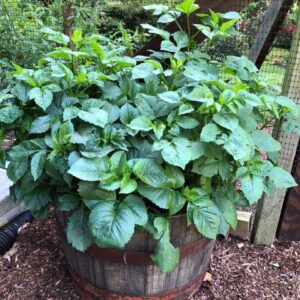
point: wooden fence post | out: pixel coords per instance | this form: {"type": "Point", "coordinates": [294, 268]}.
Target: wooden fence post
{"type": "Point", "coordinates": [269, 208]}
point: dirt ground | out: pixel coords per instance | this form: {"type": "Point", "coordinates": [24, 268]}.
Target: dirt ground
{"type": "Point", "coordinates": [35, 269]}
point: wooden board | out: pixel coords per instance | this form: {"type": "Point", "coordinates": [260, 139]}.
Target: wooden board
{"type": "Point", "coordinates": [289, 226]}
{"type": "Point", "coordinates": [205, 5]}
{"type": "Point", "coordinates": [243, 227]}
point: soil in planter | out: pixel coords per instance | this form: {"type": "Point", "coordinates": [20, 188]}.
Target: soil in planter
{"type": "Point", "coordinates": [37, 269]}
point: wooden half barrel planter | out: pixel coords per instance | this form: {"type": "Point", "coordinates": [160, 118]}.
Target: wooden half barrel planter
{"type": "Point", "coordinates": [130, 274]}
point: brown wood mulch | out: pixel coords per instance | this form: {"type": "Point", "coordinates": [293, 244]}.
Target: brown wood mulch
{"type": "Point", "coordinates": [35, 269]}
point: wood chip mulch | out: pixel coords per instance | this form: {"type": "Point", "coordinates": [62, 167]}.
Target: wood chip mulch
{"type": "Point", "coordinates": [35, 268]}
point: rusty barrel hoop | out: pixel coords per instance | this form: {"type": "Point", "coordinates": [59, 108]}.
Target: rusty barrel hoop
{"type": "Point", "coordinates": [129, 274]}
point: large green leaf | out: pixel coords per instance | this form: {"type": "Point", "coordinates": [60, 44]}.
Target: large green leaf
{"type": "Point", "coordinates": [20, 90]}
{"type": "Point", "coordinates": [175, 176]}
{"type": "Point", "coordinates": [165, 198]}
{"type": "Point", "coordinates": [41, 124]}
{"type": "Point", "coordinates": [196, 196]}
{"type": "Point", "coordinates": [152, 107]}
{"type": "Point", "coordinates": [201, 94]}
{"type": "Point", "coordinates": [206, 219]}
{"type": "Point", "coordinates": [90, 191]}
{"type": "Point", "coordinates": [42, 97]}
{"type": "Point", "coordinates": [25, 149]}
{"type": "Point", "coordinates": [281, 178]}
{"type": "Point", "coordinates": [158, 9]}
{"type": "Point", "coordinates": [187, 122]}
{"type": "Point", "coordinates": [286, 102]}
{"type": "Point", "coordinates": [166, 256]}
{"type": "Point", "coordinates": [142, 71]}
{"type": "Point", "coordinates": [56, 36]}
{"type": "Point", "coordinates": [71, 113]}
{"type": "Point", "coordinates": [10, 114]}
{"type": "Point", "coordinates": [127, 185]}
{"type": "Point", "coordinates": [169, 46]}
{"type": "Point", "coordinates": [169, 17]}
{"type": "Point", "coordinates": [181, 38]}
{"type": "Point", "coordinates": [78, 232]}
{"type": "Point", "coordinates": [224, 226]}
{"type": "Point", "coordinates": [260, 168]}
{"type": "Point", "coordinates": [128, 113]}
{"type": "Point", "coordinates": [170, 97]}
{"type": "Point", "coordinates": [227, 208]}
{"type": "Point", "coordinates": [112, 223]}
{"type": "Point", "coordinates": [141, 124]}
{"type": "Point", "coordinates": [209, 133]}
{"type": "Point", "coordinates": [150, 172]}
{"type": "Point", "coordinates": [265, 141]}
{"type": "Point", "coordinates": [180, 151]}
{"type": "Point", "coordinates": [202, 73]}
{"type": "Point", "coordinates": [38, 198]}
{"type": "Point", "coordinates": [16, 170]}
{"type": "Point", "coordinates": [212, 168]}
{"type": "Point", "coordinates": [88, 169]}
{"type": "Point", "coordinates": [138, 209]}
{"type": "Point", "coordinates": [187, 6]}
{"type": "Point", "coordinates": [240, 145]}
{"type": "Point", "coordinates": [95, 116]}
{"type": "Point", "coordinates": [65, 132]}
{"type": "Point", "coordinates": [163, 33]}
{"type": "Point", "coordinates": [226, 120]}
{"type": "Point", "coordinates": [242, 66]}
{"type": "Point", "coordinates": [37, 164]}
{"type": "Point", "coordinates": [252, 187]}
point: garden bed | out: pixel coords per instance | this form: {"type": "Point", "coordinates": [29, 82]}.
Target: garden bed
{"type": "Point", "coordinates": [37, 269]}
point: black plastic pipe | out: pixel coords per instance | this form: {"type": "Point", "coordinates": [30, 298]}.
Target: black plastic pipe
{"type": "Point", "coordinates": [9, 232]}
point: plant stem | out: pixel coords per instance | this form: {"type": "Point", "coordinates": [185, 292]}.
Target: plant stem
{"type": "Point", "coordinates": [189, 29]}
{"type": "Point", "coordinates": [178, 25]}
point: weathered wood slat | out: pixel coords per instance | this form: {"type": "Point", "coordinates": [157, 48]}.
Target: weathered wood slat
{"type": "Point", "coordinates": [97, 276]}
{"type": "Point", "coordinates": [289, 227]}
{"type": "Point", "coordinates": [244, 224]}
{"type": "Point", "coordinates": [205, 5]}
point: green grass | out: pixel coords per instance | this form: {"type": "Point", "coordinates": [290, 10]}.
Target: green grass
{"type": "Point", "coordinates": [275, 65]}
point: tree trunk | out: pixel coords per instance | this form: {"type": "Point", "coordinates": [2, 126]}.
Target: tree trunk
{"type": "Point", "coordinates": [69, 11]}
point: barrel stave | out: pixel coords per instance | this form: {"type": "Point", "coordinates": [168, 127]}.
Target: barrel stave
{"type": "Point", "coordinates": [109, 278]}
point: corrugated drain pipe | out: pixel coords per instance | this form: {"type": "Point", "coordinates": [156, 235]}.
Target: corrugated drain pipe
{"type": "Point", "coordinates": [9, 232]}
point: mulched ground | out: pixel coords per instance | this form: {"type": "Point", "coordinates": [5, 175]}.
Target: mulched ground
{"type": "Point", "coordinates": [35, 269]}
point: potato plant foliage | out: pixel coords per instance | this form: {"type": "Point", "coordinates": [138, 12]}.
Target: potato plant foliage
{"type": "Point", "coordinates": [126, 143]}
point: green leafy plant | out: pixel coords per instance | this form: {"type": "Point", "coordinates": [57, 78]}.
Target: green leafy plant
{"type": "Point", "coordinates": [124, 144]}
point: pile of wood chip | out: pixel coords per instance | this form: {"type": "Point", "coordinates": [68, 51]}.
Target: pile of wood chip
{"type": "Point", "coordinates": [35, 268]}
